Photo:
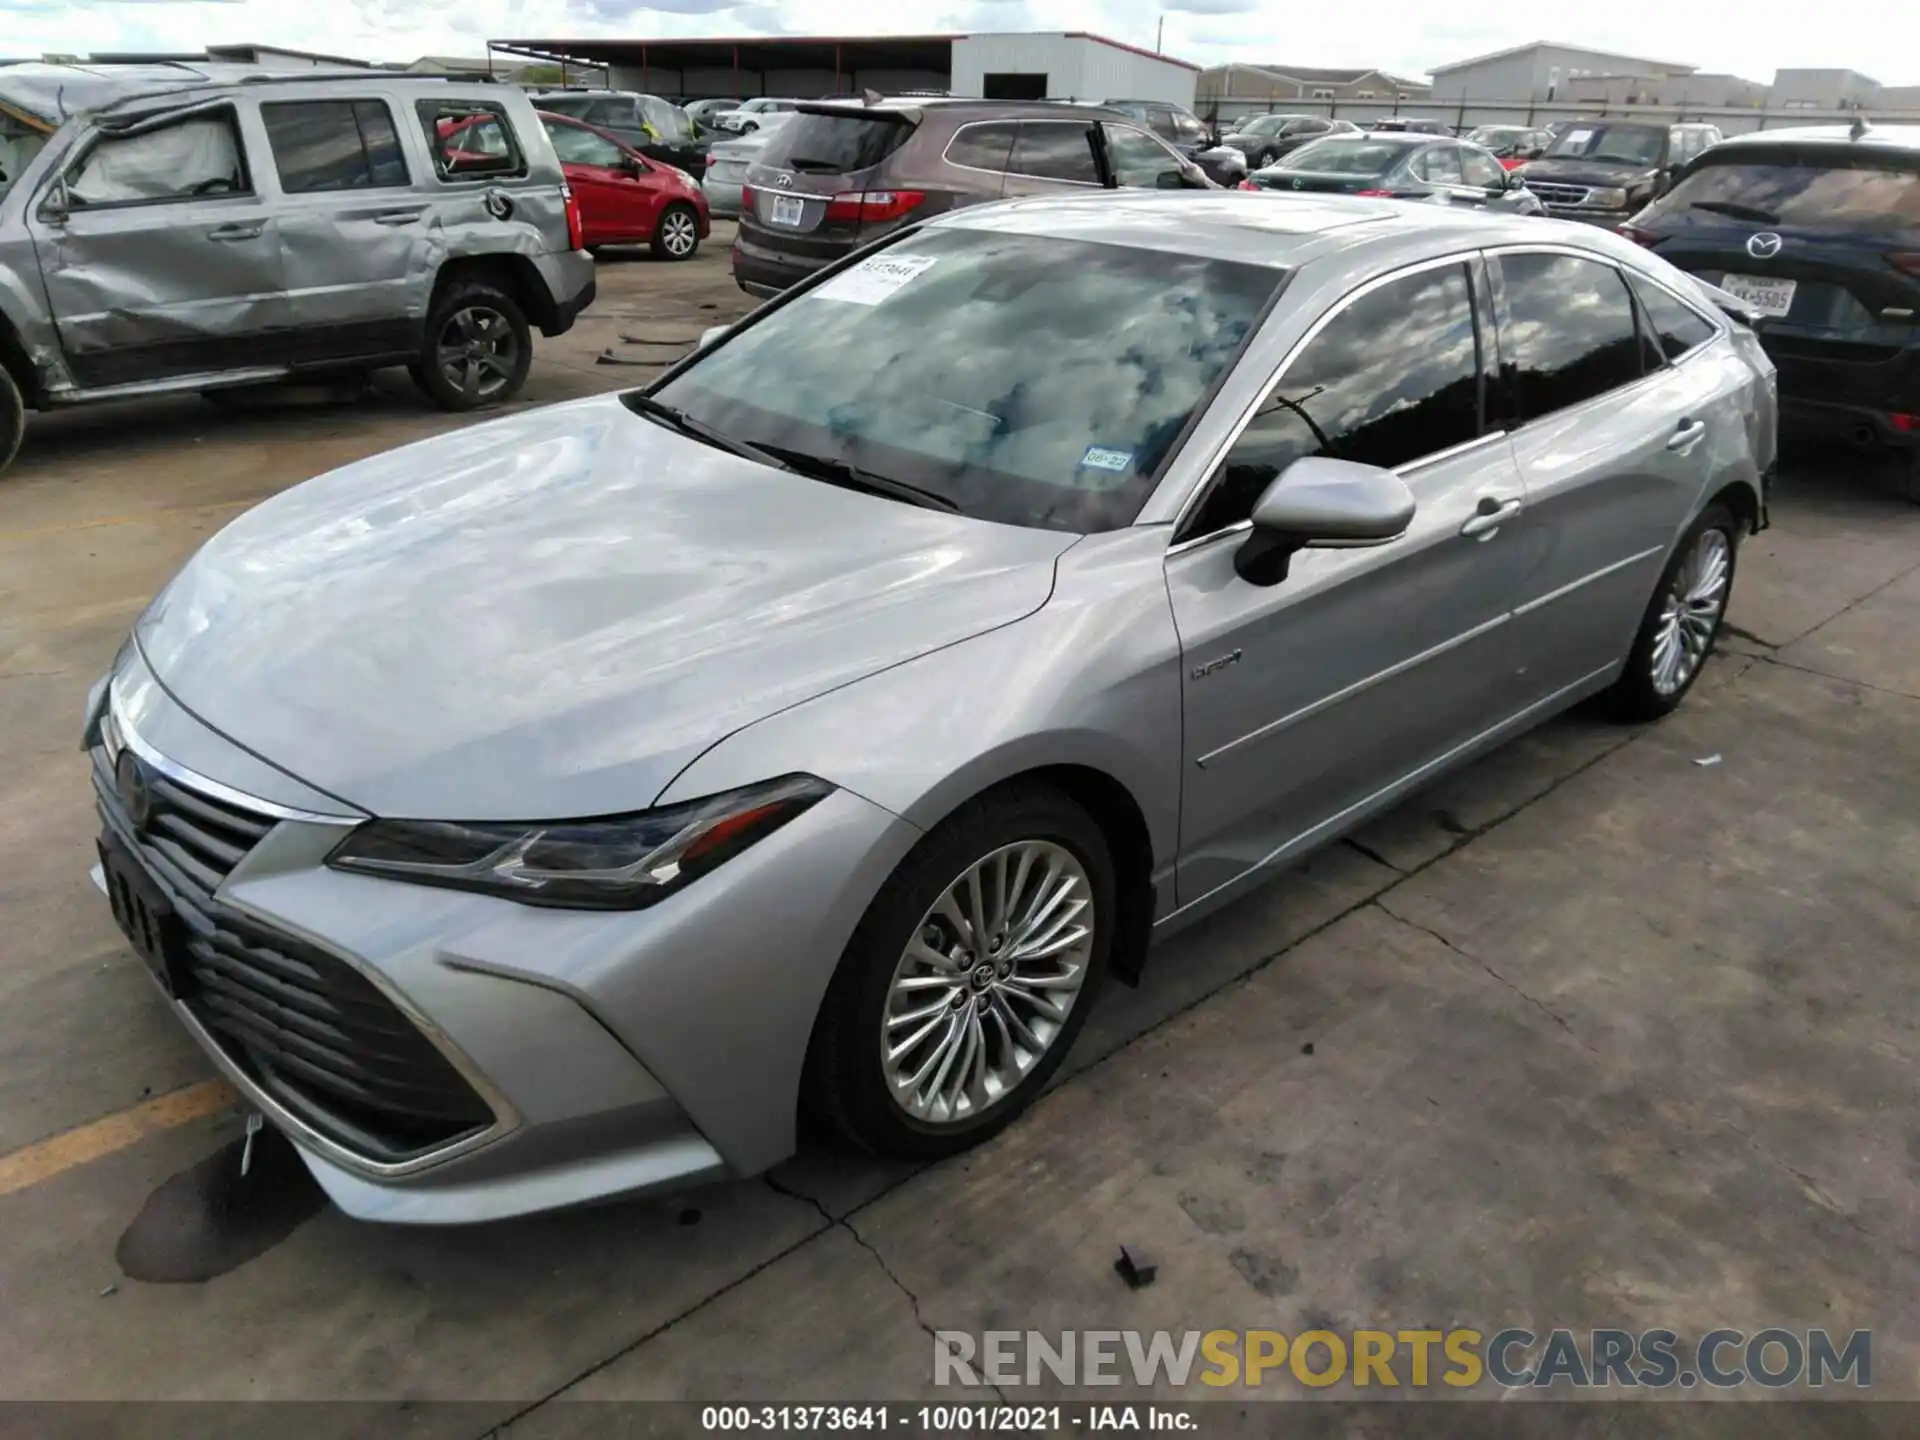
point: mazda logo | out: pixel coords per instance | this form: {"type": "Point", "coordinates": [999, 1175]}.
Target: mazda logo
{"type": "Point", "coordinates": [1763, 246]}
{"type": "Point", "coordinates": [1298, 183]}
{"type": "Point", "coordinates": [136, 793]}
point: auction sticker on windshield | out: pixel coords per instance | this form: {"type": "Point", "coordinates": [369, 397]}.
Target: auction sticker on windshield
{"type": "Point", "coordinates": [872, 281]}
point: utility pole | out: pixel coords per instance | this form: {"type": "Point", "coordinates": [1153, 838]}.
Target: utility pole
{"type": "Point", "coordinates": [1159, 34]}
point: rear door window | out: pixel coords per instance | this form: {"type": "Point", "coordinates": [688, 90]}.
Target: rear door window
{"type": "Point", "coordinates": [982, 147]}
{"type": "Point", "coordinates": [1139, 161]}
{"type": "Point", "coordinates": [835, 144]}
{"type": "Point", "coordinates": [321, 145]}
{"type": "Point", "coordinates": [1569, 332]}
{"type": "Point", "coordinates": [1801, 189]}
{"type": "Point", "coordinates": [470, 139]}
{"type": "Point", "coordinates": [1055, 150]}
{"type": "Point", "coordinates": [576, 146]}
{"type": "Point", "coordinates": [1440, 165]}
{"type": "Point", "coordinates": [1187, 130]}
{"type": "Point", "coordinates": [1672, 329]}
{"type": "Point", "coordinates": [1482, 170]}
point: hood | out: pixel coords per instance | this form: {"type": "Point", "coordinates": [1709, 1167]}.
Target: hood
{"type": "Point", "coordinates": [1571, 170]}
{"type": "Point", "coordinates": [550, 615]}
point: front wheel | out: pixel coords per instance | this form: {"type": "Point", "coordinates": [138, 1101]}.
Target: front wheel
{"type": "Point", "coordinates": [968, 978]}
{"type": "Point", "coordinates": [13, 419]}
{"type": "Point", "coordinates": [677, 235]}
{"type": "Point", "coordinates": [478, 348]}
{"type": "Point", "coordinates": [1682, 620]}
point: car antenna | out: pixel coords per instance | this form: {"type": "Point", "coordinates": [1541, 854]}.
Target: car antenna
{"type": "Point", "coordinates": [1858, 128]}
{"type": "Point", "coordinates": [871, 97]}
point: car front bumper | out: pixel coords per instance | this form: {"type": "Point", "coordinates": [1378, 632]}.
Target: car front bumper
{"type": "Point", "coordinates": [618, 1053]}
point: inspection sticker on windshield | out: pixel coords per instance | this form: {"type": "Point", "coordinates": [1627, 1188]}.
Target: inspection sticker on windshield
{"type": "Point", "coordinates": [872, 281]}
{"type": "Point", "coordinates": [1101, 457]}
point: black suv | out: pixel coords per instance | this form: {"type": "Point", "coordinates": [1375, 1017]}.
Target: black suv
{"type": "Point", "coordinates": [837, 176]}
{"type": "Point", "coordinates": [1604, 170]}
{"type": "Point", "coordinates": [656, 128]}
{"type": "Point", "coordinates": [1817, 233]}
{"type": "Point", "coordinates": [1183, 130]}
{"type": "Point", "coordinates": [1263, 139]}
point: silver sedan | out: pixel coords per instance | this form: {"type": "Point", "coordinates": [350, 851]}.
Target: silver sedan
{"type": "Point", "coordinates": [561, 807]}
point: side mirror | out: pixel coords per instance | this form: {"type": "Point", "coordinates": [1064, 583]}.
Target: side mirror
{"type": "Point", "coordinates": [711, 335]}
{"type": "Point", "coordinates": [1516, 180]}
{"type": "Point", "coordinates": [1325, 504]}
{"type": "Point", "coordinates": [53, 209]}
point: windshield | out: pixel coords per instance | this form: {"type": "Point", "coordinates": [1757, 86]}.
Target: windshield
{"type": "Point", "coordinates": [1620, 144]}
{"type": "Point", "coordinates": [1265, 125]}
{"type": "Point", "coordinates": [1028, 379]}
{"type": "Point", "coordinates": [1344, 157]}
{"type": "Point", "coordinates": [1801, 190]}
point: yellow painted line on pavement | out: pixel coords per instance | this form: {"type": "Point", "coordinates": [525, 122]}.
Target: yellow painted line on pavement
{"type": "Point", "coordinates": [57, 1154]}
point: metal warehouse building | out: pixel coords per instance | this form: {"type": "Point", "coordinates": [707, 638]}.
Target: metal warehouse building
{"type": "Point", "coordinates": [1062, 65]}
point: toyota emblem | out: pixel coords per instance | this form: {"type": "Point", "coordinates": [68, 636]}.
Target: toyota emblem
{"type": "Point", "coordinates": [136, 794]}
{"type": "Point", "coordinates": [1763, 246]}
{"type": "Point", "coordinates": [785, 182]}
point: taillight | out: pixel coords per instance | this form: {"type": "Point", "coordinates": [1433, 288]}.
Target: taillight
{"type": "Point", "coordinates": [1637, 235]}
{"type": "Point", "coordinates": [872, 207]}
{"type": "Point", "coordinates": [576, 227]}
{"type": "Point", "coordinates": [1907, 260]}
{"type": "Point", "coordinates": [1905, 424]}
{"type": "Point", "coordinates": [1381, 194]}
{"type": "Point", "coordinates": [1246, 185]}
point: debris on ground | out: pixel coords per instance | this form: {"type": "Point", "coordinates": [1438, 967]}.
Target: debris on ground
{"type": "Point", "coordinates": [1708, 760]}
{"type": "Point", "coordinates": [1135, 1268]}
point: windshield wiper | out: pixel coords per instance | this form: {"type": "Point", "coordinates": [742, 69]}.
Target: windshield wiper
{"type": "Point", "coordinates": [1737, 210]}
{"type": "Point", "coordinates": [836, 471]}
{"type": "Point", "coordinates": [674, 416]}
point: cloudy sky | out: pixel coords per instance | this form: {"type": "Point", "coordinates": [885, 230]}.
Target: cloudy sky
{"type": "Point", "coordinates": [1406, 36]}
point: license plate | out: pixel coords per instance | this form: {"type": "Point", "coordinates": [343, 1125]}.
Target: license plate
{"type": "Point", "coordinates": [787, 210]}
{"type": "Point", "coordinates": [143, 915]}
{"type": "Point", "coordinates": [1763, 294]}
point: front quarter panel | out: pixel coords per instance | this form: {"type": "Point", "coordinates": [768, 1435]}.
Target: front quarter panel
{"type": "Point", "coordinates": [1092, 679]}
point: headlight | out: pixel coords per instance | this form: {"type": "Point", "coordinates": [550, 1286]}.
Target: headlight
{"type": "Point", "coordinates": [1607, 199]}
{"type": "Point", "coordinates": [625, 862]}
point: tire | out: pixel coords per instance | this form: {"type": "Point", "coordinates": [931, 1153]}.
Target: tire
{"type": "Point", "coordinates": [676, 234]}
{"type": "Point", "coordinates": [13, 419]}
{"type": "Point", "coordinates": [847, 1086]}
{"type": "Point", "coordinates": [494, 338]}
{"type": "Point", "coordinates": [1909, 477]}
{"type": "Point", "coordinates": [1646, 690]}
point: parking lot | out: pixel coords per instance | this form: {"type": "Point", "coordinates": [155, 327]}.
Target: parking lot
{"type": "Point", "coordinates": [1619, 1027]}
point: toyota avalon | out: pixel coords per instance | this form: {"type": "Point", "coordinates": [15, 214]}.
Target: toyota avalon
{"type": "Point", "coordinates": [564, 807]}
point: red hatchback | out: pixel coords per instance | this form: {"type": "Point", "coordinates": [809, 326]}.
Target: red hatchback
{"type": "Point", "coordinates": [624, 198]}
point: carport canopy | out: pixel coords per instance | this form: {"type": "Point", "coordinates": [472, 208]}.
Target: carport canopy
{"type": "Point", "coordinates": [788, 65]}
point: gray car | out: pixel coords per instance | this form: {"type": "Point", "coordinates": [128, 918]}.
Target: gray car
{"type": "Point", "coordinates": [194, 228]}
{"type": "Point", "coordinates": [562, 808]}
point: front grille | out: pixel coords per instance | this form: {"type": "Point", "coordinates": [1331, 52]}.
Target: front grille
{"type": "Point", "coordinates": [306, 1026]}
{"type": "Point", "coordinates": [1552, 194]}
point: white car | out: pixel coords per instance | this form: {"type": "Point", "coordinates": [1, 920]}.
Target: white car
{"type": "Point", "coordinates": [727, 162]}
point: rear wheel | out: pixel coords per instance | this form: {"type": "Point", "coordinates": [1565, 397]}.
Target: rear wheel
{"type": "Point", "coordinates": [478, 348]}
{"type": "Point", "coordinates": [968, 979]}
{"type": "Point", "coordinates": [13, 418]}
{"type": "Point", "coordinates": [1682, 620]}
{"type": "Point", "coordinates": [677, 235]}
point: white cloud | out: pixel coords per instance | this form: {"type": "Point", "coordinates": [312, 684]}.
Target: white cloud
{"type": "Point", "coordinates": [1405, 36]}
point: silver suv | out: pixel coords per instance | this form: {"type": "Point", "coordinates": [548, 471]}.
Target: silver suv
{"type": "Point", "coordinates": [174, 228]}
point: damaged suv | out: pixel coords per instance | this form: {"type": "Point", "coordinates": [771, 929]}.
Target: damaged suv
{"type": "Point", "coordinates": [180, 228]}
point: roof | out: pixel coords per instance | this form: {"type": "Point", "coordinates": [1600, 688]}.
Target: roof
{"type": "Point", "coordinates": [785, 52]}
{"type": "Point", "coordinates": [1308, 74]}
{"type": "Point", "coordinates": [1668, 66]}
{"type": "Point", "coordinates": [1282, 231]}
{"type": "Point", "coordinates": [1883, 137]}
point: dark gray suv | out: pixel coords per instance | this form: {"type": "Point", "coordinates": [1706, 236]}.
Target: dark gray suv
{"type": "Point", "coordinates": [837, 176]}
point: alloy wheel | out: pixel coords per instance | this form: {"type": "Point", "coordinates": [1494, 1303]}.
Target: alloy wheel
{"type": "Point", "coordinates": [478, 351]}
{"type": "Point", "coordinates": [678, 233]}
{"type": "Point", "coordinates": [1691, 613]}
{"type": "Point", "coordinates": [984, 987]}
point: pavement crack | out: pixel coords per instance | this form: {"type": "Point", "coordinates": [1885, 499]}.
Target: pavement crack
{"type": "Point", "coordinates": [1837, 679]}
{"type": "Point", "coordinates": [1464, 954]}
{"type": "Point", "coordinates": [1747, 635]}
{"type": "Point", "coordinates": [845, 1223]}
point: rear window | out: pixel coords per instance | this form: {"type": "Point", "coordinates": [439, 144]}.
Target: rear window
{"type": "Point", "coordinates": [1344, 157]}
{"type": "Point", "coordinates": [1800, 190]}
{"type": "Point", "coordinates": [1030, 379]}
{"type": "Point", "coordinates": [1619, 144]}
{"type": "Point", "coordinates": [815, 142]}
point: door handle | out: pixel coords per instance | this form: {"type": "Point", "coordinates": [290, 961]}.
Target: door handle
{"type": "Point", "coordinates": [1492, 513]}
{"type": "Point", "coordinates": [1690, 434]}
{"type": "Point", "coordinates": [397, 217]}
{"type": "Point", "coordinates": [251, 231]}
